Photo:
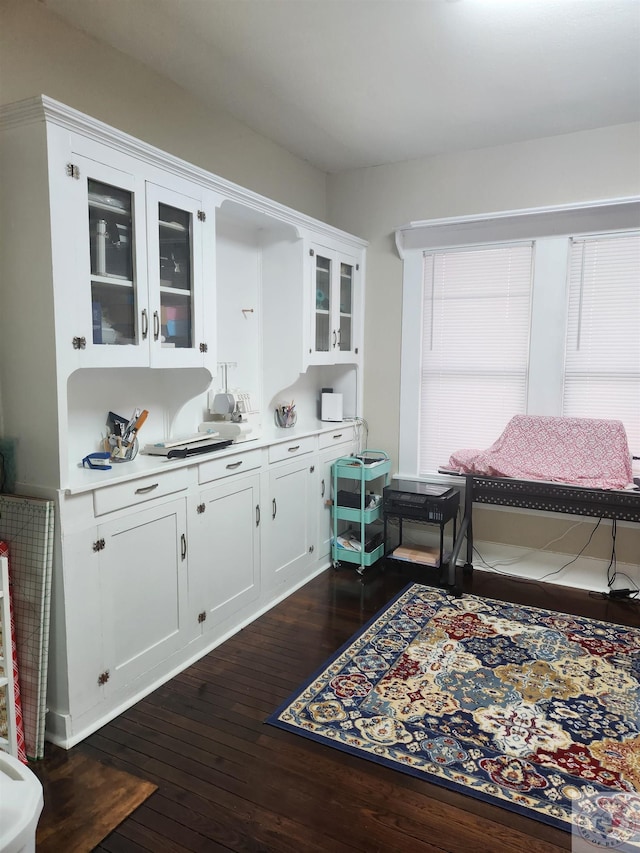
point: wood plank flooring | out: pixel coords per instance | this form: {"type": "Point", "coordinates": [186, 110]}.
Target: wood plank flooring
{"type": "Point", "coordinates": [227, 781]}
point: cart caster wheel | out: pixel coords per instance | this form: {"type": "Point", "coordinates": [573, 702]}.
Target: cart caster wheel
{"type": "Point", "coordinates": [360, 570]}
{"type": "Point", "coordinates": [336, 565]}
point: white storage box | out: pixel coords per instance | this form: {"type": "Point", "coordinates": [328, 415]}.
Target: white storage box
{"type": "Point", "coordinates": [21, 803]}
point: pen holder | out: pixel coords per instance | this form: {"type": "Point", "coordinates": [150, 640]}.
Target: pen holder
{"type": "Point", "coordinates": [120, 452]}
{"type": "Point", "coordinates": [284, 417]}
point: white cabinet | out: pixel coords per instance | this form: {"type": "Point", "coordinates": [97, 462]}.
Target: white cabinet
{"type": "Point", "coordinates": [110, 266]}
{"type": "Point", "coordinates": [136, 295]}
{"type": "Point", "coordinates": [289, 521]}
{"type": "Point", "coordinates": [224, 541]}
{"type": "Point", "coordinates": [334, 335]}
{"type": "Point", "coordinates": [125, 606]}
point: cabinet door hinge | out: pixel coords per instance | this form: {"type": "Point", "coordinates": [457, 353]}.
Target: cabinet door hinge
{"type": "Point", "coordinates": [73, 171]}
{"type": "Point", "coordinates": [79, 343]}
{"type": "Point", "coordinates": [200, 508]}
{"type": "Point", "coordinates": [202, 216]}
{"type": "Point", "coordinates": [99, 545]}
{"type": "Point", "coordinates": [202, 617]}
{"type": "Point", "coordinates": [204, 347]}
{"type": "Point", "coordinates": [103, 677]}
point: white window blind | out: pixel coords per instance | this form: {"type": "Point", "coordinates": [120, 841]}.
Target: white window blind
{"type": "Point", "coordinates": [475, 347]}
{"type": "Point", "coordinates": [602, 362]}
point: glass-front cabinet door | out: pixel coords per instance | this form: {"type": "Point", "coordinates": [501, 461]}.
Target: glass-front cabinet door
{"type": "Point", "coordinates": [346, 307]}
{"type": "Point", "coordinates": [323, 303]}
{"type": "Point", "coordinates": [102, 304]}
{"type": "Point", "coordinates": [334, 290]}
{"type": "Point", "coordinates": [111, 236]}
{"type": "Point", "coordinates": [175, 238]}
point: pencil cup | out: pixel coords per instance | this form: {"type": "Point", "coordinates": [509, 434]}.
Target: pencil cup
{"type": "Point", "coordinates": [285, 417]}
{"type": "Point", "coordinates": [121, 452]}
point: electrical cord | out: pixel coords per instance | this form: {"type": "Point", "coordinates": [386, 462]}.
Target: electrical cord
{"type": "Point", "coordinates": [549, 574]}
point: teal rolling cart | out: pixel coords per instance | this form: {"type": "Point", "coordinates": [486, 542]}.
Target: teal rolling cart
{"type": "Point", "coordinates": [356, 512]}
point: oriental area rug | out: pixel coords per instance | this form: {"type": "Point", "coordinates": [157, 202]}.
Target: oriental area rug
{"type": "Point", "coordinates": [531, 710]}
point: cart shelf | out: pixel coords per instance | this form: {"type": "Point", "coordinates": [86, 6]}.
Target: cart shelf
{"type": "Point", "coordinates": [364, 469]}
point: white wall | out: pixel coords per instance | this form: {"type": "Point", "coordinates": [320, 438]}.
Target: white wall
{"type": "Point", "coordinates": [42, 54]}
{"type": "Point", "coordinates": [372, 202]}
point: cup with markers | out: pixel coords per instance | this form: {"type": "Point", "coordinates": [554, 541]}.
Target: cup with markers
{"type": "Point", "coordinates": [286, 415]}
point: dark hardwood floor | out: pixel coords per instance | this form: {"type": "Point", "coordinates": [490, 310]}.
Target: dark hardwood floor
{"type": "Point", "coordinates": [227, 781]}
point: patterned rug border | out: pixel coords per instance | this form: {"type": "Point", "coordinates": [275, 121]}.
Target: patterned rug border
{"type": "Point", "coordinates": [274, 718]}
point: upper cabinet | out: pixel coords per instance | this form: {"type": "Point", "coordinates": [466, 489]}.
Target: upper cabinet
{"type": "Point", "coordinates": [335, 306]}
{"type": "Point", "coordinates": [119, 258]}
{"type": "Point", "coordinates": [137, 295]}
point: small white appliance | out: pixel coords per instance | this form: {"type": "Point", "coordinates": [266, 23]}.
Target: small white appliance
{"type": "Point", "coordinates": [233, 416]}
{"type": "Point", "coordinates": [330, 406]}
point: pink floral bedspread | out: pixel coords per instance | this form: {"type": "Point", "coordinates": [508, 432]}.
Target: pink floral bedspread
{"type": "Point", "coordinates": [580, 451]}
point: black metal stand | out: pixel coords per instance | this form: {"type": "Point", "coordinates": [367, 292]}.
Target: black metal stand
{"type": "Point", "coordinates": [438, 511]}
{"type": "Point", "coordinates": [623, 505]}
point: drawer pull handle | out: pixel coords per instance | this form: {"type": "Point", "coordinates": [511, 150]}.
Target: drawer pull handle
{"type": "Point", "coordinates": [274, 508]}
{"type": "Point", "coordinates": [145, 324]}
{"type": "Point", "coordinates": [294, 448]}
{"type": "Point", "coordinates": [322, 492]}
{"type": "Point", "coordinates": [233, 465]}
{"type": "Point", "coordinates": [257, 515]}
{"type": "Point", "coordinates": [144, 490]}
{"type": "Point", "coordinates": [338, 435]}
{"type": "Point", "coordinates": [183, 546]}
{"type": "Point", "coordinates": [156, 326]}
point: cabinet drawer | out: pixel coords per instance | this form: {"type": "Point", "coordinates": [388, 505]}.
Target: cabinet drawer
{"type": "Point", "coordinates": [135, 492]}
{"type": "Point", "coordinates": [290, 449]}
{"type": "Point", "coordinates": [215, 469]}
{"type": "Point", "coordinates": [339, 435]}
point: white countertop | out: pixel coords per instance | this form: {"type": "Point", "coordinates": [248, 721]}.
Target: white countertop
{"type": "Point", "coordinates": [87, 479]}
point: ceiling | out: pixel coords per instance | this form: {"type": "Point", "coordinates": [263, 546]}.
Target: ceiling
{"type": "Point", "coordinates": [345, 84]}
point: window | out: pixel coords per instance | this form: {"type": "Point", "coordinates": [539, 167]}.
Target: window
{"type": "Point", "coordinates": [475, 346]}
{"type": "Point", "coordinates": [602, 365]}
{"type": "Point", "coordinates": [495, 325]}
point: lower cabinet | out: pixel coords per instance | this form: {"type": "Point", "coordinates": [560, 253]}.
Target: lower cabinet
{"type": "Point", "coordinates": [125, 604]}
{"type": "Point", "coordinates": [290, 521]}
{"type": "Point", "coordinates": [224, 546]}
{"type": "Point", "coordinates": [144, 586]}
{"type": "Point", "coordinates": [140, 590]}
